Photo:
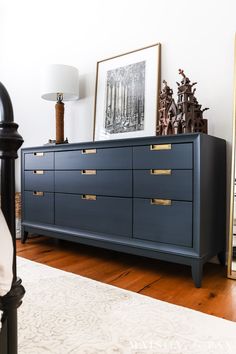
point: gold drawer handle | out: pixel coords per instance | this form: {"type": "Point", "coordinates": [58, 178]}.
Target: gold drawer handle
{"type": "Point", "coordinates": [164, 202]}
{"type": "Point", "coordinates": [38, 172]}
{"type": "Point", "coordinates": [160, 172]}
{"type": "Point", "coordinates": [160, 147]}
{"type": "Point", "coordinates": [38, 154]}
{"type": "Point", "coordinates": [89, 151]}
{"type": "Point", "coordinates": [89, 197]}
{"type": "Point", "coordinates": [88, 172]}
{"type": "Point", "coordinates": [38, 194]}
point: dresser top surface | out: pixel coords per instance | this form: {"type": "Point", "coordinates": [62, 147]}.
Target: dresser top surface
{"type": "Point", "coordinates": [180, 138]}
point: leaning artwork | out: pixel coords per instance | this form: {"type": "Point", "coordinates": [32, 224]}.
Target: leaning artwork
{"type": "Point", "coordinates": [126, 96]}
{"type": "Point", "coordinates": [125, 99]}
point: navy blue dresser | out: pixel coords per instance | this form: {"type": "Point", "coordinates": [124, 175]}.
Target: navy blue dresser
{"type": "Point", "coordinates": [159, 197]}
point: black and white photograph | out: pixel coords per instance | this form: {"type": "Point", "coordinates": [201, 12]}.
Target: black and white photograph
{"type": "Point", "coordinates": [126, 95]}
{"type": "Point", "coordinates": [125, 99]}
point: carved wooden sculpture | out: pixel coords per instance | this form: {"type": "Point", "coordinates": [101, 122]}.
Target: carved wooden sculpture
{"type": "Point", "coordinates": [184, 117]}
{"type": "Point", "coordinates": [167, 110]}
{"type": "Point", "coordinates": [190, 113]}
{"type": "Point", "coordinates": [10, 142]}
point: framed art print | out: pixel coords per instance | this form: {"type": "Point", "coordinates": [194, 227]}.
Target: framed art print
{"type": "Point", "coordinates": [126, 95]}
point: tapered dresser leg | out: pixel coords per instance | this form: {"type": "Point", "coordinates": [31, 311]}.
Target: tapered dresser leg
{"type": "Point", "coordinates": [197, 268]}
{"type": "Point", "coordinates": [24, 236]}
{"type": "Point", "coordinates": [221, 257]}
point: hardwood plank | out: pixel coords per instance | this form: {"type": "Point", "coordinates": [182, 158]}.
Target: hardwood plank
{"type": "Point", "coordinates": [160, 280]}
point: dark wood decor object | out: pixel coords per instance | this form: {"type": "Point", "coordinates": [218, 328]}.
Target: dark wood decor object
{"type": "Point", "coordinates": [185, 116]}
{"type": "Point", "coordinates": [157, 197]}
{"type": "Point", "coordinates": [59, 108]}
{"type": "Point", "coordinates": [10, 142]}
{"type": "Point", "coordinates": [167, 112]}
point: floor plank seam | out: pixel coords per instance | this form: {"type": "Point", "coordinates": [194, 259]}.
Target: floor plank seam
{"type": "Point", "coordinates": [148, 285]}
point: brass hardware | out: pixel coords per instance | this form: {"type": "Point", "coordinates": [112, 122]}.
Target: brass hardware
{"type": "Point", "coordinates": [161, 147]}
{"type": "Point", "coordinates": [89, 197]}
{"type": "Point", "coordinates": [38, 172]}
{"type": "Point", "coordinates": [38, 194]}
{"type": "Point", "coordinates": [89, 151]}
{"type": "Point", "coordinates": [88, 172]}
{"type": "Point", "coordinates": [38, 154]}
{"type": "Point", "coordinates": [160, 172]}
{"type": "Point", "coordinates": [164, 202]}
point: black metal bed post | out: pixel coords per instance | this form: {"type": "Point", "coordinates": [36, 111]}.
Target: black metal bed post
{"type": "Point", "coordinates": [10, 142]}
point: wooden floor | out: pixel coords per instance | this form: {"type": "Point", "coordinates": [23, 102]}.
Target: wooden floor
{"type": "Point", "coordinates": [160, 280]}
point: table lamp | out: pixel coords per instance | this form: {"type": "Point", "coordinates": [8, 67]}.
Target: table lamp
{"type": "Point", "coordinates": [60, 83]}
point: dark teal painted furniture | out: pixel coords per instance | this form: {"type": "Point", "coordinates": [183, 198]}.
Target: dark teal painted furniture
{"type": "Point", "coordinates": [159, 197]}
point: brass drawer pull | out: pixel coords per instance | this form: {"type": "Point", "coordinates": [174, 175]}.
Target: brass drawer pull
{"type": "Point", "coordinates": [160, 147]}
{"type": "Point", "coordinates": [89, 151]}
{"type": "Point", "coordinates": [89, 197]}
{"type": "Point", "coordinates": [160, 172]}
{"type": "Point", "coordinates": [38, 194]}
{"type": "Point", "coordinates": [39, 154]}
{"type": "Point", "coordinates": [38, 172]}
{"type": "Point", "coordinates": [164, 202]}
{"type": "Point", "coordinates": [88, 172]}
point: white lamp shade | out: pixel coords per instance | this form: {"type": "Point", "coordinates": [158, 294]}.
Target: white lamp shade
{"type": "Point", "coordinates": [60, 79]}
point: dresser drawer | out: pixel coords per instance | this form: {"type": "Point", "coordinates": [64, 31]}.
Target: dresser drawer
{"type": "Point", "coordinates": [39, 161]}
{"type": "Point", "coordinates": [114, 158]}
{"type": "Point", "coordinates": [103, 215]}
{"type": "Point", "coordinates": [163, 184]}
{"type": "Point", "coordinates": [39, 180]}
{"type": "Point", "coordinates": [99, 182]}
{"type": "Point", "coordinates": [39, 207]}
{"type": "Point", "coordinates": [163, 223]}
{"type": "Point", "coordinates": [163, 156]}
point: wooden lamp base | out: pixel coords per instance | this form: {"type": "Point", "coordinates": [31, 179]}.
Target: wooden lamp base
{"type": "Point", "coordinates": [59, 107]}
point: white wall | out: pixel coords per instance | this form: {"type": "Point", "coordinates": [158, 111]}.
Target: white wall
{"type": "Point", "coordinates": [195, 35]}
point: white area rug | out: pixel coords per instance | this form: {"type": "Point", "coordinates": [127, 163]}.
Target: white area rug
{"type": "Point", "coordinates": [64, 313]}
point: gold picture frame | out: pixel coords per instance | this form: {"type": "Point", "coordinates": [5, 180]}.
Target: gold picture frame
{"type": "Point", "coordinates": [231, 261]}
{"type": "Point", "coordinates": [127, 94]}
